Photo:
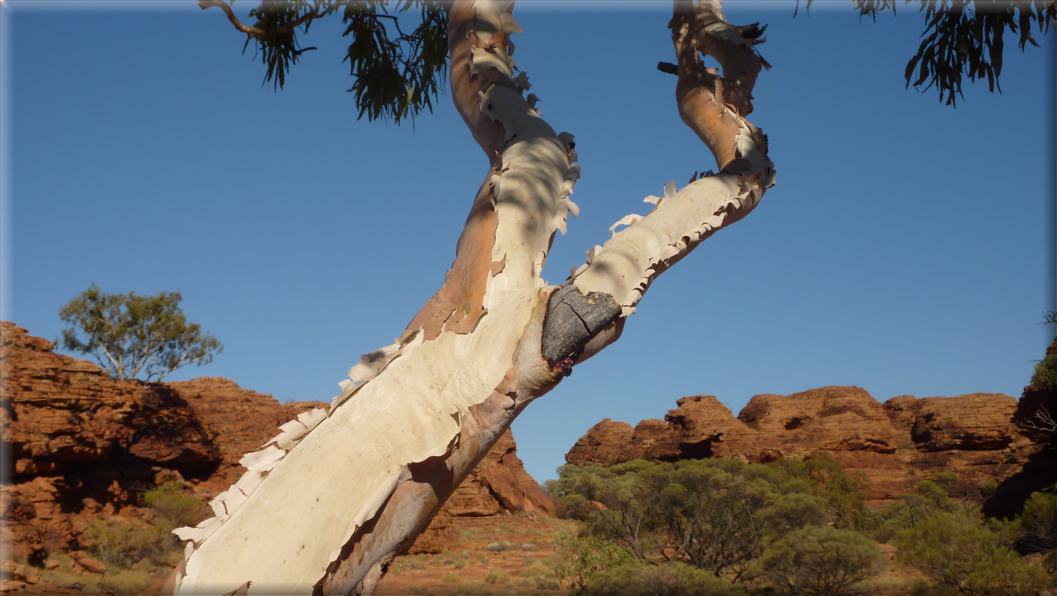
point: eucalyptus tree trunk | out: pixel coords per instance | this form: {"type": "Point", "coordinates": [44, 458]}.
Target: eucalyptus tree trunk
{"type": "Point", "coordinates": [327, 505]}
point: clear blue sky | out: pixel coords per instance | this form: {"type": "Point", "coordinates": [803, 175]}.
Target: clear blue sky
{"type": "Point", "coordinates": [902, 249]}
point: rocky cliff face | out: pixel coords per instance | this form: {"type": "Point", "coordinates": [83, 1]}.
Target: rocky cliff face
{"type": "Point", "coordinates": [895, 445]}
{"type": "Point", "coordinates": [83, 446]}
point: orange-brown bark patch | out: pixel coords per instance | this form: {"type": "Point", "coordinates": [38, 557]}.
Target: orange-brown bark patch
{"type": "Point", "coordinates": [459, 304]}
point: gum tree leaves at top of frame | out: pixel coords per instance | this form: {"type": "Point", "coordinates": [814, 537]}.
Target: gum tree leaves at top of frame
{"type": "Point", "coordinates": [965, 37]}
{"type": "Point", "coordinates": [396, 74]}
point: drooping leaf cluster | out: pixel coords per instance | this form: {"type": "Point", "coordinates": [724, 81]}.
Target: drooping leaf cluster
{"type": "Point", "coordinates": [276, 44]}
{"type": "Point", "coordinates": [134, 335]}
{"type": "Point", "coordinates": [395, 77]}
{"type": "Point", "coordinates": [396, 74]}
{"type": "Point", "coordinates": [965, 38]}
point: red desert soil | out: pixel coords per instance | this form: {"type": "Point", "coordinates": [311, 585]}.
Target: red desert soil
{"type": "Point", "coordinates": [515, 552]}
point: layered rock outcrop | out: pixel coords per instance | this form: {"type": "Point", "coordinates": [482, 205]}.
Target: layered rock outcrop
{"type": "Point", "coordinates": [84, 446]}
{"type": "Point", "coordinates": [895, 444]}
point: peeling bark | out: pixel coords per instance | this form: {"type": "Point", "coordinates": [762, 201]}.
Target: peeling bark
{"type": "Point", "coordinates": [329, 502]}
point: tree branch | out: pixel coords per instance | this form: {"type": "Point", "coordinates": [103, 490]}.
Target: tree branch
{"type": "Point", "coordinates": [261, 33]}
{"type": "Point", "coordinates": [330, 505]}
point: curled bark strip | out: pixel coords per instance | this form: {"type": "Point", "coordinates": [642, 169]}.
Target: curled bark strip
{"type": "Point", "coordinates": [573, 319]}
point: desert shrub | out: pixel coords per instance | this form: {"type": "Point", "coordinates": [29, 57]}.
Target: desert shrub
{"type": "Point", "coordinates": [987, 488]}
{"type": "Point", "coordinates": [476, 587]}
{"type": "Point", "coordinates": [1049, 566]}
{"type": "Point", "coordinates": [957, 552]}
{"type": "Point", "coordinates": [1038, 531]}
{"type": "Point", "coordinates": [713, 514]}
{"type": "Point", "coordinates": [497, 577]}
{"type": "Point", "coordinates": [842, 491]}
{"type": "Point", "coordinates": [820, 561]}
{"type": "Point", "coordinates": [1045, 377]}
{"type": "Point", "coordinates": [174, 506]}
{"type": "Point", "coordinates": [537, 570]}
{"type": "Point", "coordinates": [659, 580]}
{"type": "Point", "coordinates": [575, 488]}
{"type": "Point", "coordinates": [123, 541]}
{"type": "Point", "coordinates": [1039, 522]}
{"type": "Point", "coordinates": [914, 508]}
{"type": "Point", "coordinates": [125, 581]}
{"type": "Point", "coordinates": [579, 558]}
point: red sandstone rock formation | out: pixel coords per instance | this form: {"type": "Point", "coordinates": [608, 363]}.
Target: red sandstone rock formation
{"type": "Point", "coordinates": [498, 485]}
{"type": "Point", "coordinates": [85, 445]}
{"type": "Point", "coordinates": [894, 445]}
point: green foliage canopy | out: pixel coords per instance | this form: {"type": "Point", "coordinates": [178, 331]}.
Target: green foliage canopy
{"type": "Point", "coordinates": [713, 514]}
{"type": "Point", "coordinates": [821, 561]}
{"type": "Point", "coordinates": [1038, 526]}
{"type": "Point", "coordinates": [958, 552]}
{"type": "Point", "coordinates": [134, 335]}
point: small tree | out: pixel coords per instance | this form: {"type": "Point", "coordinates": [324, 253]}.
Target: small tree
{"type": "Point", "coordinates": [132, 335]}
{"type": "Point", "coordinates": [956, 552]}
{"type": "Point", "coordinates": [1039, 530]}
{"type": "Point", "coordinates": [580, 558]}
{"type": "Point", "coordinates": [821, 561]}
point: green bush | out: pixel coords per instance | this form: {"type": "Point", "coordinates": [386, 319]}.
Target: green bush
{"type": "Point", "coordinates": [125, 581]}
{"type": "Point", "coordinates": [580, 558]}
{"type": "Point", "coordinates": [660, 580]}
{"type": "Point", "coordinates": [957, 552]}
{"type": "Point", "coordinates": [497, 577]}
{"type": "Point", "coordinates": [843, 491]}
{"type": "Point", "coordinates": [174, 506]}
{"type": "Point", "coordinates": [820, 561]}
{"type": "Point", "coordinates": [988, 488]}
{"type": "Point", "coordinates": [914, 508]}
{"type": "Point", "coordinates": [713, 514]}
{"type": "Point", "coordinates": [1045, 377]}
{"type": "Point", "coordinates": [1039, 522]}
{"type": "Point", "coordinates": [476, 587]}
{"type": "Point", "coordinates": [121, 542]}
{"type": "Point", "coordinates": [1038, 531]}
